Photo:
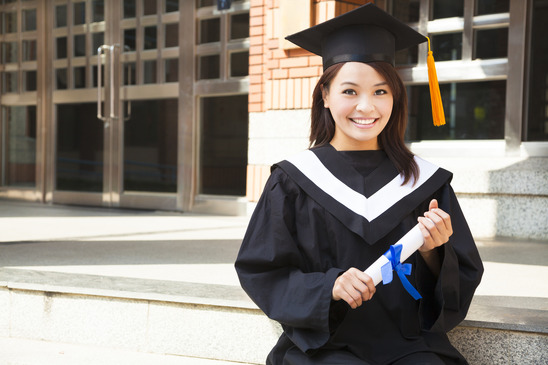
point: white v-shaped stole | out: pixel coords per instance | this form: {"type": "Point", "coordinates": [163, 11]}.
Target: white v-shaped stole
{"type": "Point", "coordinates": [369, 208]}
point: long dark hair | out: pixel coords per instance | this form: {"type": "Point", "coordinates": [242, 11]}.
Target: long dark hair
{"type": "Point", "coordinates": [391, 139]}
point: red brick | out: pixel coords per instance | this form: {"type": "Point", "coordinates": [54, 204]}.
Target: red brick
{"type": "Point", "coordinates": [255, 88]}
{"type": "Point", "coordinates": [256, 50]}
{"type": "Point", "coordinates": [256, 21]}
{"type": "Point", "coordinates": [253, 31]}
{"type": "Point", "coordinates": [273, 43]}
{"type": "Point", "coordinates": [255, 98]}
{"type": "Point", "coordinates": [255, 79]}
{"type": "Point", "coordinates": [294, 62]}
{"type": "Point", "coordinates": [280, 73]}
{"type": "Point", "coordinates": [272, 64]}
{"type": "Point", "coordinates": [254, 70]}
{"type": "Point", "coordinates": [255, 59]}
{"type": "Point", "coordinates": [256, 11]}
{"type": "Point", "coordinates": [304, 72]}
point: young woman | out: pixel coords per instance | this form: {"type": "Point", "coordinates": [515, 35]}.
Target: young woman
{"type": "Point", "coordinates": [330, 212]}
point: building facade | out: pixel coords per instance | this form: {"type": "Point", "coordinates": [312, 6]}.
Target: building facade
{"type": "Point", "coordinates": [178, 105]}
{"type": "Point", "coordinates": [493, 72]}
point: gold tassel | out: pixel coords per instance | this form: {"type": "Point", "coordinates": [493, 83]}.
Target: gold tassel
{"type": "Point", "coordinates": [435, 95]}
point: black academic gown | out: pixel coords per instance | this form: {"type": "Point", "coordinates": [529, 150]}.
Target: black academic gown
{"type": "Point", "coordinates": [304, 234]}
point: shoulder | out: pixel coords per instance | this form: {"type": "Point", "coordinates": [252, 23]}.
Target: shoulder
{"type": "Point", "coordinates": [429, 169]}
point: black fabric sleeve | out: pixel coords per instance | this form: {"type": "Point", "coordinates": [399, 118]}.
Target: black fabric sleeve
{"type": "Point", "coordinates": [273, 272]}
{"type": "Point", "coordinates": [447, 298]}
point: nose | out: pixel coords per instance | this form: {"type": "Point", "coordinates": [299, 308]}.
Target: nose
{"type": "Point", "coordinates": [365, 105]}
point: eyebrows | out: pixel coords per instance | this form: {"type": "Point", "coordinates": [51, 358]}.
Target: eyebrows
{"type": "Point", "coordinates": [350, 83]}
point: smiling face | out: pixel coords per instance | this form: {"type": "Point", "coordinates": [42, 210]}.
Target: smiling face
{"type": "Point", "coordinates": [360, 102]}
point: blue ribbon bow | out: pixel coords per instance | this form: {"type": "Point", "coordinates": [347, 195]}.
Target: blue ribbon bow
{"type": "Point", "coordinates": [393, 255]}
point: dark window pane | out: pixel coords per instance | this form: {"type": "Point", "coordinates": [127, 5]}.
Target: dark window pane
{"type": "Point", "coordinates": [406, 11]}
{"type": "Point", "coordinates": [61, 48]}
{"type": "Point", "coordinates": [239, 64]}
{"type": "Point", "coordinates": [129, 73]}
{"type": "Point", "coordinates": [29, 20]}
{"type": "Point", "coordinates": [408, 56]}
{"type": "Point", "coordinates": [9, 82]}
{"type": "Point", "coordinates": [171, 35]}
{"type": "Point", "coordinates": [172, 70]}
{"type": "Point", "coordinates": [172, 5]}
{"type": "Point", "coordinates": [129, 40]}
{"type": "Point", "coordinates": [94, 70]}
{"type": "Point", "coordinates": [447, 9]}
{"type": "Point", "coordinates": [19, 150]}
{"type": "Point", "coordinates": [29, 50]}
{"type": "Point", "coordinates": [98, 40]}
{"type": "Point", "coordinates": [61, 16]}
{"type": "Point", "coordinates": [492, 6]}
{"type": "Point", "coordinates": [79, 77]}
{"type": "Point", "coordinates": [447, 47]}
{"type": "Point", "coordinates": [98, 10]}
{"type": "Point", "coordinates": [29, 78]}
{"type": "Point", "coordinates": [239, 26]}
{"type": "Point", "coordinates": [79, 46]}
{"type": "Point", "coordinates": [79, 13]}
{"type": "Point", "coordinates": [9, 22]}
{"type": "Point", "coordinates": [473, 110]}
{"type": "Point", "coordinates": [537, 116]}
{"type": "Point", "coordinates": [224, 134]}
{"type": "Point", "coordinates": [9, 52]}
{"type": "Point", "coordinates": [150, 146]}
{"type": "Point", "coordinates": [79, 164]}
{"type": "Point", "coordinates": [150, 38]}
{"type": "Point", "coordinates": [61, 77]}
{"type": "Point", "coordinates": [491, 43]}
{"type": "Point", "coordinates": [210, 30]}
{"type": "Point", "coordinates": [204, 3]}
{"type": "Point", "coordinates": [129, 9]}
{"type": "Point", "coordinates": [149, 72]}
{"type": "Point", "coordinates": [149, 7]}
{"type": "Point", "coordinates": [210, 67]}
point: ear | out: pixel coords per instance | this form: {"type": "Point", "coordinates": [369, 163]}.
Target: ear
{"type": "Point", "coordinates": [324, 97]}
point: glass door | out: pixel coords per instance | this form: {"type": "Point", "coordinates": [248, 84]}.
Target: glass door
{"type": "Point", "coordinates": [116, 102]}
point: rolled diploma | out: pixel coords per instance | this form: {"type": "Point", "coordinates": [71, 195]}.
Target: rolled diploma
{"type": "Point", "coordinates": [410, 243]}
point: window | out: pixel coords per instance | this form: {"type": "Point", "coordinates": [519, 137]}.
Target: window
{"type": "Point", "coordinates": [537, 108]}
{"type": "Point", "coordinates": [473, 81]}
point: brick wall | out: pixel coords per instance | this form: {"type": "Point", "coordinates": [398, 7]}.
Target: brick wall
{"type": "Point", "coordinates": [282, 77]}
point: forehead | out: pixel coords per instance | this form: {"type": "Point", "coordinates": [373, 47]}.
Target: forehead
{"type": "Point", "coordinates": [358, 73]}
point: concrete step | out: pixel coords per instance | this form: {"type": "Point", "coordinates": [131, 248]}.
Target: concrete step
{"type": "Point", "coordinates": [218, 321]}
{"type": "Point", "coordinates": [16, 351]}
{"type": "Point", "coordinates": [163, 283]}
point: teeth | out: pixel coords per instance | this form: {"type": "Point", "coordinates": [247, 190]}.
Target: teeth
{"type": "Point", "coordinates": [363, 121]}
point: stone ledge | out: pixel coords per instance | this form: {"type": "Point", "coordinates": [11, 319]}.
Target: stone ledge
{"type": "Point", "coordinates": [490, 312]}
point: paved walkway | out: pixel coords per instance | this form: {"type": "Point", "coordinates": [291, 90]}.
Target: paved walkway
{"type": "Point", "coordinates": [194, 248]}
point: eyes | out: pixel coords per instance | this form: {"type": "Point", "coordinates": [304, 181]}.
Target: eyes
{"type": "Point", "coordinates": [378, 92]}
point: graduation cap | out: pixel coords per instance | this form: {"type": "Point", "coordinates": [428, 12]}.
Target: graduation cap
{"type": "Point", "coordinates": [367, 34]}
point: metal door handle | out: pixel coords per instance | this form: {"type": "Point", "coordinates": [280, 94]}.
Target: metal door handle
{"type": "Point", "coordinates": [128, 110]}
{"type": "Point", "coordinates": [111, 48]}
{"type": "Point", "coordinates": [99, 81]}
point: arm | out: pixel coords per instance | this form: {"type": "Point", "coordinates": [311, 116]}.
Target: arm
{"type": "Point", "coordinates": [273, 270]}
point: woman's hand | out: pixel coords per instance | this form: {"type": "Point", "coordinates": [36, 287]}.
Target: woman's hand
{"type": "Point", "coordinates": [354, 287]}
{"type": "Point", "coordinates": [437, 230]}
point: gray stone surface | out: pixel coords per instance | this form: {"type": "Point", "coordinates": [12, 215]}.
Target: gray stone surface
{"type": "Point", "coordinates": [493, 347]}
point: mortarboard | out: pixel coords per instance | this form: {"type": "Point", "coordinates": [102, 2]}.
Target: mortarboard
{"type": "Point", "coordinates": [367, 34]}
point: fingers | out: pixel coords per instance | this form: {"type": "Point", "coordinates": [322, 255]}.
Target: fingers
{"type": "Point", "coordinates": [437, 229]}
{"type": "Point", "coordinates": [354, 287]}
